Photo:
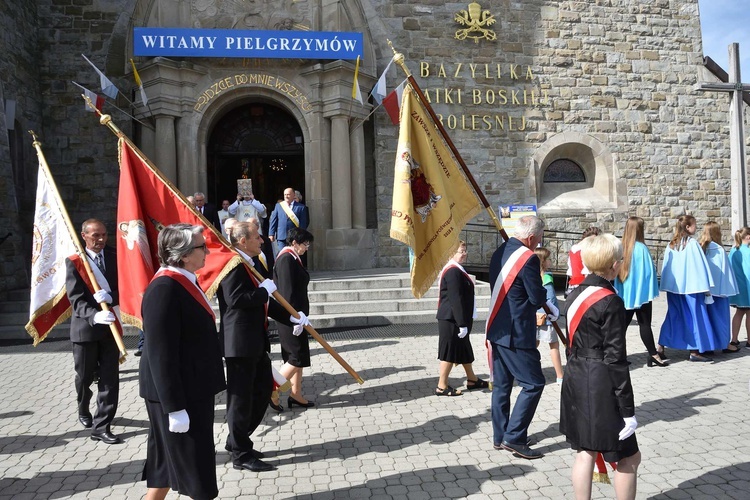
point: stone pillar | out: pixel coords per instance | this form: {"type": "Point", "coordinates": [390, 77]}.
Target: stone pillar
{"type": "Point", "coordinates": [148, 136]}
{"type": "Point", "coordinates": [341, 177]}
{"type": "Point", "coordinates": [359, 205]}
{"type": "Point", "coordinates": [165, 155]}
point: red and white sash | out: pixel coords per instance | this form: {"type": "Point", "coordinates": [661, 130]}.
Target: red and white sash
{"type": "Point", "coordinates": [590, 296]}
{"type": "Point", "coordinates": [291, 251]}
{"type": "Point", "coordinates": [505, 279]}
{"type": "Point", "coordinates": [192, 288]}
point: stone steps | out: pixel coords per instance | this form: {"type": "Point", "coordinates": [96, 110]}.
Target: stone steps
{"type": "Point", "coordinates": [373, 297]}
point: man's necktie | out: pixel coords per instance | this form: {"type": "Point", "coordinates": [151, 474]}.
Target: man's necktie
{"type": "Point", "coordinates": [100, 262]}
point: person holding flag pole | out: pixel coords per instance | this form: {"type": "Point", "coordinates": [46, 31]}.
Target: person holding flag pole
{"type": "Point", "coordinates": [90, 294]}
{"type": "Point", "coordinates": [149, 202]}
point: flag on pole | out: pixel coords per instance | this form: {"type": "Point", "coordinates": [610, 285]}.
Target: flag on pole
{"type": "Point", "coordinates": [146, 204]}
{"type": "Point", "coordinates": [96, 99]}
{"type": "Point", "coordinates": [138, 82]}
{"type": "Point", "coordinates": [432, 200]}
{"type": "Point", "coordinates": [378, 91]}
{"type": "Point", "coordinates": [392, 103]}
{"type": "Point", "coordinates": [356, 93]}
{"type": "Point", "coordinates": [52, 244]}
{"type": "Point", "coordinates": [108, 88]}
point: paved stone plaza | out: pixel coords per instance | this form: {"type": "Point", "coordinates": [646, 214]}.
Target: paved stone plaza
{"type": "Point", "coordinates": [389, 438]}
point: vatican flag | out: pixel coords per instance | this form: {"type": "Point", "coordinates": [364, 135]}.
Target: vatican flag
{"type": "Point", "coordinates": [432, 200]}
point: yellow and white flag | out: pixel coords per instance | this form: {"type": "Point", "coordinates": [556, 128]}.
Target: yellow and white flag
{"type": "Point", "coordinates": [138, 82]}
{"type": "Point", "coordinates": [356, 93]}
{"type": "Point", "coordinates": [432, 200]}
{"type": "Point", "coordinates": [52, 243]}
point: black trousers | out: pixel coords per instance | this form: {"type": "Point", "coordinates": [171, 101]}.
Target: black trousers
{"type": "Point", "coordinates": [89, 358]}
{"type": "Point", "coordinates": [643, 314]}
{"type": "Point", "coordinates": [249, 386]}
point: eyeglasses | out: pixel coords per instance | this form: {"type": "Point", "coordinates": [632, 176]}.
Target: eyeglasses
{"type": "Point", "coordinates": [202, 247]}
{"type": "Point", "coordinates": [306, 244]}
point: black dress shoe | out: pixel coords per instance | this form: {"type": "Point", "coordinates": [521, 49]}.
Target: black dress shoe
{"type": "Point", "coordinates": [254, 453]}
{"type": "Point", "coordinates": [276, 407]}
{"type": "Point", "coordinates": [523, 451]}
{"type": "Point", "coordinates": [254, 465]}
{"type": "Point", "coordinates": [291, 402]}
{"type": "Point", "coordinates": [138, 353]}
{"type": "Point", "coordinates": [86, 421]}
{"type": "Point", "coordinates": [106, 437]}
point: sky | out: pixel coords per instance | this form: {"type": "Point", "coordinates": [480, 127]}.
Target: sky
{"type": "Point", "coordinates": [722, 23]}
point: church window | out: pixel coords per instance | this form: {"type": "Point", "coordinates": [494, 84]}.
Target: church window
{"type": "Point", "coordinates": [564, 170]}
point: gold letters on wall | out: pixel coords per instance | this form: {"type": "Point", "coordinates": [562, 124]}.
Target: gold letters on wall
{"type": "Point", "coordinates": [256, 79]}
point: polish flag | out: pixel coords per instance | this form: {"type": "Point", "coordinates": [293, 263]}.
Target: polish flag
{"type": "Point", "coordinates": [392, 103]}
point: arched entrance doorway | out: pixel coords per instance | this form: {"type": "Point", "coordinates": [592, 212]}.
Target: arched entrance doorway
{"type": "Point", "coordinates": [259, 141]}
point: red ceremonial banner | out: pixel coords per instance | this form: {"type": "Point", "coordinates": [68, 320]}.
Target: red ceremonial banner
{"type": "Point", "coordinates": [147, 203]}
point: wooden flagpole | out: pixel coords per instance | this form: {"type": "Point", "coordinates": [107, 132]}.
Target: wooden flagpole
{"type": "Point", "coordinates": [107, 120]}
{"type": "Point", "coordinates": [74, 236]}
{"type": "Point", "coordinates": [399, 59]}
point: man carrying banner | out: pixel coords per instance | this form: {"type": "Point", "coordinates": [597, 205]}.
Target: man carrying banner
{"type": "Point", "coordinates": [245, 306]}
{"type": "Point", "coordinates": [517, 293]}
{"type": "Point", "coordinates": [94, 348]}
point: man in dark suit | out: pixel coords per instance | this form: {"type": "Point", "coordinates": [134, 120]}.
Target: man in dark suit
{"type": "Point", "coordinates": [94, 347]}
{"type": "Point", "coordinates": [517, 293]}
{"type": "Point", "coordinates": [245, 306]}
{"type": "Point", "coordinates": [208, 210]}
{"type": "Point", "coordinates": [281, 222]}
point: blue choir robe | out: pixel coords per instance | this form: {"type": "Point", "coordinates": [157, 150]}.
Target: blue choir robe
{"type": "Point", "coordinates": [724, 286]}
{"type": "Point", "coordinates": [740, 260]}
{"type": "Point", "coordinates": [641, 285]}
{"type": "Point", "coordinates": [686, 278]}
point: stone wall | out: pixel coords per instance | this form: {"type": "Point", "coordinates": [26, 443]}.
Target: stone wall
{"type": "Point", "coordinates": [19, 82]}
{"type": "Point", "coordinates": [619, 71]}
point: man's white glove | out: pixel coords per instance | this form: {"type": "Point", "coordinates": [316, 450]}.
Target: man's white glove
{"type": "Point", "coordinates": [179, 421]}
{"type": "Point", "coordinates": [297, 330]}
{"type": "Point", "coordinates": [104, 318]}
{"type": "Point", "coordinates": [554, 311]}
{"type": "Point", "coordinates": [630, 425]}
{"type": "Point", "coordinates": [463, 331]}
{"type": "Point", "coordinates": [102, 296]}
{"type": "Point", "coordinates": [302, 320]}
{"type": "Point", "coordinates": [269, 285]}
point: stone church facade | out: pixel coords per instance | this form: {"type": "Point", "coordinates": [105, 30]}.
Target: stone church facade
{"type": "Point", "coordinates": [584, 109]}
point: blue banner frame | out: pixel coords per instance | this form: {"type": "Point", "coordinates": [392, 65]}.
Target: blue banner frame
{"type": "Point", "coordinates": [264, 44]}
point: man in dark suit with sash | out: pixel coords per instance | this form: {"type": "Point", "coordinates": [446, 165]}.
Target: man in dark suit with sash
{"type": "Point", "coordinates": [245, 306]}
{"type": "Point", "coordinates": [94, 347]}
{"type": "Point", "coordinates": [286, 215]}
{"type": "Point", "coordinates": [517, 293]}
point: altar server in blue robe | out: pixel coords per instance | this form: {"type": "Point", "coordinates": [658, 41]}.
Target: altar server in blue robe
{"type": "Point", "coordinates": [686, 278]}
{"type": "Point", "coordinates": [724, 283]}
{"type": "Point", "coordinates": [739, 256]}
{"type": "Point", "coordinates": [636, 283]}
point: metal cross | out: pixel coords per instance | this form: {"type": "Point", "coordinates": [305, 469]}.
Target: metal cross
{"type": "Point", "coordinates": [736, 134]}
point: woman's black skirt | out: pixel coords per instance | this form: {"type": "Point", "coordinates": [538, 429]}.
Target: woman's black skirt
{"type": "Point", "coordinates": [451, 348]}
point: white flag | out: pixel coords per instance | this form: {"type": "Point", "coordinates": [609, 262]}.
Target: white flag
{"type": "Point", "coordinates": [52, 244]}
{"type": "Point", "coordinates": [108, 88]}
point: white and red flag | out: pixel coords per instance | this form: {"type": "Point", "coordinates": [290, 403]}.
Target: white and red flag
{"type": "Point", "coordinates": [392, 103]}
{"type": "Point", "coordinates": [96, 99]}
{"type": "Point", "coordinates": [147, 203]}
{"type": "Point", "coordinates": [52, 243]}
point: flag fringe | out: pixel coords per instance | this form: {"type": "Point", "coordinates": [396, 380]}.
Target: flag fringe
{"type": "Point", "coordinates": [601, 477]}
{"type": "Point", "coordinates": [233, 262]}
{"type": "Point", "coordinates": [46, 308]}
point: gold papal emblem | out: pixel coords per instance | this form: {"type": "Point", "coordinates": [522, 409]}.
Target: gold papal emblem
{"type": "Point", "coordinates": [476, 21]}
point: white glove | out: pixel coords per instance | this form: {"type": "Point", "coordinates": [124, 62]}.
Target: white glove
{"type": "Point", "coordinates": [554, 311]}
{"type": "Point", "coordinates": [297, 330]}
{"type": "Point", "coordinates": [269, 285]}
{"type": "Point", "coordinates": [104, 318]}
{"type": "Point", "coordinates": [302, 320]}
{"type": "Point", "coordinates": [179, 421]}
{"type": "Point", "coordinates": [709, 299]}
{"type": "Point", "coordinates": [462, 331]}
{"type": "Point", "coordinates": [630, 425]}
{"type": "Point", "coordinates": [102, 296]}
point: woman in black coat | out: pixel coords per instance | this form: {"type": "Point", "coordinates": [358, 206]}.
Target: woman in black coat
{"type": "Point", "coordinates": [597, 413]}
{"type": "Point", "coordinates": [291, 279]}
{"type": "Point", "coordinates": [181, 370]}
{"type": "Point", "coordinates": [455, 316]}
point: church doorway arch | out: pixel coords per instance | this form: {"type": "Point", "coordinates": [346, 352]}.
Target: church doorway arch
{"type": "Point", "coordinates": [259, 141]}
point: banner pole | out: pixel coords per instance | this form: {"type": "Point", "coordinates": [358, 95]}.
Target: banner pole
{"type": "Point", "coordinates": [399, 59]}
{"type": "Point", "coordinates": [79, 248]}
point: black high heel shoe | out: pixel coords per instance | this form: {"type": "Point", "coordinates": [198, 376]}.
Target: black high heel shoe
{"type": "Point", "coordinates": [291, 402]}
{"type": "Point", "coordinates": [277, 407]}
{"type": "Point", "coordinates": [652, 361]}
{"type": "Point", "coordinates": [662, 355]}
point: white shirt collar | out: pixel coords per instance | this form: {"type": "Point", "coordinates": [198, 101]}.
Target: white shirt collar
{"type": "Point", "coordinates": [245, 256]}
{"type": "Point", "coordinates": [93, 254]}
{"type": "Point", "coordinates": [185, 273]}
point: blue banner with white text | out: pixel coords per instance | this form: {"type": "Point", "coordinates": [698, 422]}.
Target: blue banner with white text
{"type": "Point", "coordinates": [186, 42]}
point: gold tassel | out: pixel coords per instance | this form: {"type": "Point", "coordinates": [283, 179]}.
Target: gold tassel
{"type": "Point", "coordinates": [601, 477]}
